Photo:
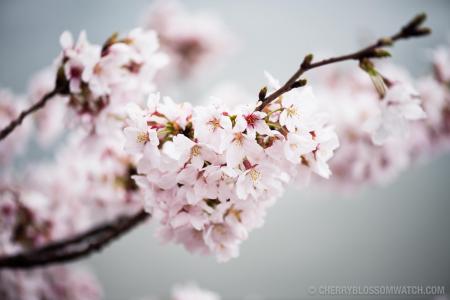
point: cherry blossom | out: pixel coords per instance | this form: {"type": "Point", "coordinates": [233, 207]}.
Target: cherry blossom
{"type": "Point", "coordinates": [139, 135]}
{"type": "Point", "coordinates": [292, 110]}
{"type": "Point", "coordinates": [254, 121]}
{"type": "Point", "coordinates": [213, 125]}
{"type": "Point", "coordinates": [81, 58]}
{"type": "Point", "coordinates": [241, 145]}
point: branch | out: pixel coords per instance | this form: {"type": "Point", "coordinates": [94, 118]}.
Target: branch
{"type": "Point", "coordinates": [412, 29]}
{"type": "Point", "coordinates": [80, 245]}
{"type": "Point", "coordinates": [38, 105]}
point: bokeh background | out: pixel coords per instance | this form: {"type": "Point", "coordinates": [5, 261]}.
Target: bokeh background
{"type": "Point", "coordinates": [393, 235]}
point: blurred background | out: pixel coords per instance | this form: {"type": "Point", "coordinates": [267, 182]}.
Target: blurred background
{"type": "Point", "coordinates": [393, 235]}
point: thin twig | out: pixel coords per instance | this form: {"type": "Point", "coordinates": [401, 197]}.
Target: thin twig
{"type": "Point", "coordinates": [412, 29]}
{"type": "Point", "coordinates": [75, 247]}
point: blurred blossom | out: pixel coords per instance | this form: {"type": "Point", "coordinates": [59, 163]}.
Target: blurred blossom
{"type": "Point", "coordinates": [398, 108]}
{"type": "Point", "coordinates": [51, 121]}
{"type": "Point", "coordinates": [192, 292]}
{"type": "Point", "coordinates": [441, 64]}
{"type": "Point", "coordinates": [52, 283]}
{"type": "Point", "coordinates": [352, 101]}
{"type": "Point", "coordinates": [228, 94]}
{"type": "Point", "coordinates": [15, 144]}
{"type": "Point", "coordinates": [400, 105]}
{"type": "Point", "coordinates": [188, 291]}
{"type": "Point", "coordinates": [194, 41]}
{"type": "Point", "coordinates": [436, 128]}
{"type": "Point", "coordinates": [90, 176]}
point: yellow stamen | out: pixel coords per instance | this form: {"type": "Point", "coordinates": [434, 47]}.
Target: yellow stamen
{"type": "Point", "coordinates": [195, 151]}
{"type": "Point", "coordinates": [254, 175]}
{"type": "Point", "coordinates": [214, 124]}
{"type": "Point", "coordinates": [292, 111]}
{"type": "Point", "coordinates": [238, 138]}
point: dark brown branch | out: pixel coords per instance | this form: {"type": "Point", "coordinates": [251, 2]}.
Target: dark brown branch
{"type": "Point", "coordinates": [75, 247]}
{"type": "Point", "coordinates": [36, 106]}
{"type": "Point", "coordinates": [412, 29]}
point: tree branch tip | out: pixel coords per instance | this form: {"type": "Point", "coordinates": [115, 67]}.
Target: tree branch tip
{"type": "Point", "coordinates": [414, 29]}
{"type": "Point", "coordinates": [417, 20]}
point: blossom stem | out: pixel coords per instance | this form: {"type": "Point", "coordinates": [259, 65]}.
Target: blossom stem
{"type": "Point", "coordinates": [78, 246]}
{"type": "Point", "coordinates": [412, 29]}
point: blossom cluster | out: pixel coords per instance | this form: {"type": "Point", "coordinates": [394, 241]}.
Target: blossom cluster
{"type": "Point", "coordinates": [209, 173]}
{"type": "Point", "coordinates": [120, 71]}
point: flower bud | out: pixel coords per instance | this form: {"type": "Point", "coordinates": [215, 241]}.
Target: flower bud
{"type": "Point", "coordinates": [307, 60]}
{"type": "Point", "coordinates": [262, 93]}
{"type": "Point", "coordinates": [299, 83]}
